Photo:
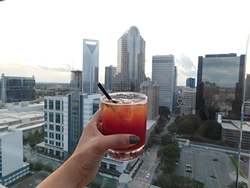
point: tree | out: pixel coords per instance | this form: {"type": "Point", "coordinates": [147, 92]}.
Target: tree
{"type": "Point", "coordinates": [97, 181]}
{"type": "Point", "coordinates": [39, 165]}
{"type": "Point", "coordinates": [173, 128]}
{"type": "Point", "coordinates": [163, 111]}
{"type": "Point", "coordinates": [197, 122]}
{"type": "Point", "coordinates": [48, 167]}
{"type": "Point", "coordinates": [111, 183]}
{"type": "Point", "coordinates": [240, 185]}
{"type": "Point", "coordinates": [166, 139]}
{"type": "Point", "coordinates": [212, 129]}
{"type": "Point", "coordinates": [32, 140]}
{"type": "Point", "coordinates": [176, 181]}
{"type": "Point", "coordinates": [186, 126]}
{"type": "Point", "coordinates": [24, 158]}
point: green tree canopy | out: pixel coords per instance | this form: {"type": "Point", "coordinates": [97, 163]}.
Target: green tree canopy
{"type": "Point", "coordinates": [166, 139]}
{"type": "Point", "coordinates": [48, 167]}
{"type": "Point", "coordinates": [24, 158]}
{"type": "Point", "coordinates": [240, 185]}
{"type": "Point", "coordinates": [212, 129]}
{"type": "Point", "coordinates": [39, 165]}
{"type": "Point", "coordinates": [169, 153]}
{"type": "Point", "coordinates": [111, 183]}
{"type": "Point", "coordinates": [186, 126]}
{"type": "Point", "coordinates": [173, 128]}
{"type": "Point", "coordinates": [32, 140]}
{"type": "Point", "coordinates": [176, 181]}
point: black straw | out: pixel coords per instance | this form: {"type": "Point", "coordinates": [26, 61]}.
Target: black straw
{"type": "Point", "coordinates": [105, 92]}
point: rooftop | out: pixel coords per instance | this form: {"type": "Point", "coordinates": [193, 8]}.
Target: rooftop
{"type": "Point", "coordinates": [235, 125]}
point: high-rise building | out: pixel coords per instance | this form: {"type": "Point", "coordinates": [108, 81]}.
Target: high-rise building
{"type": "Point", "coordinates": [76, 81]}
{"type": "Point", "coordinates": [90, 69]}
{"type": "Point", "coordinates": [17, 89]}
{"type": "Point", "coordinates": [247, 91]}
{"type": "Point", "coordinates": [12, 166]}
{"type": "Point", "coordinates": [109, 74]}
{"type": "Point", "coordinates": [163, 72]}
{"type": "Point", "coordinates": [151, 89]}
{"type": "Point", "coordinates": [190, 82]}
{"type": "Point", "coordinates": [188, 100]}
{"type": "Point", "coordinates": [65, 118]}
{"type": "Point", "coordinates": [175, 90]}
{"type": "Point", "coordinates": [220, 81]}
{"type": "Point", "coordinates": [130, 72]}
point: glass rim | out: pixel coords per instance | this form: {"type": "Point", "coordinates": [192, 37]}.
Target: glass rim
{"type": "Point", "coordinates": [144, 101]}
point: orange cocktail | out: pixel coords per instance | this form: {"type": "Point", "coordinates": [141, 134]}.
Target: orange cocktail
{"type": "Point", "coordinates": [127, 116]}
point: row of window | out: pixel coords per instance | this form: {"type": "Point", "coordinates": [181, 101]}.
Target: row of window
{"type": "Point", "coordinates": [51, 117]}
{"type": "Point", "coordinates": [51, 104]}
{"type": "Point", "coordinates": [51, 127]}
{"type": "Point", "coordinates": [51, 142]}
{"type": "Point", "coordinates": [51, 135]}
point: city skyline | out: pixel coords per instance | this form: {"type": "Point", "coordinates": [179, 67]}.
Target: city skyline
{"type": "Point", "coordinates": [50, 45]}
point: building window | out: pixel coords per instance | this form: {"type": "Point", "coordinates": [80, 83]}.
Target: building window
{"type": "Point", "coordinates": [62, 128]}
{"type": "Point", "coordinates": [62, 118]}
{"type": "Point", "coordinates": [58, 128]}
{"type": "Point", "coordinates": [51, 142]}
{"type": "Point", "coordinates": [45, 126]}
{"type": "Point", "coordinates": [57, 105]}
{"type": "Point", "coordinates": [45, 103]}
{"type": "Point", "coordinates": [51, 135]}
{"type": "Point", "coordinates": [46, 141]}
{"type": "Point", "coordinates": [51, 104]}
{"type": "Point", "coordinates": [95, 107]}
{"type": "Point", "coordinates": [51, 117]}
{"type": "Point", "coordinates": [46, 134]}
{"type": "Point", "coordinates": [57, 118]}
{"type": "Point", "coordinates": [58, 136]}
{"type": "Point", "coordinates": [45, 116]}
{"type": "Point", "coordinates": [58, 144]}
{"type": "Point", "coordinates": [51, 127]}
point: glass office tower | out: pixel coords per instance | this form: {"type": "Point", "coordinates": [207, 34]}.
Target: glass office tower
{"type": "Point", "coordinates": [220, 85]}
{"type": "Point", "coordinates": [190, 82]}
{"type": "Point", "coordinates": [130, 72]}
{"type": "Point", "coordinates": [164, 72]}
{"type": "Point", "coordinates": [90, 69]}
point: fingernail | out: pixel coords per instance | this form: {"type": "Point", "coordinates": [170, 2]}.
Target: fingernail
{"type": "Point", "coordinates": [134, 139]}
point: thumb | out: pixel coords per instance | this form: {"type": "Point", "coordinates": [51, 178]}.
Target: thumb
{"type": "Point", "coordinates": [117, 141]}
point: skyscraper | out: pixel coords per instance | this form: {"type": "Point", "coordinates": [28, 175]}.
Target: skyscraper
{"type": "Point", "coordinates": [76, 81]}
{"type": "Point", "coordinates": [247, 91]}
{"type": "Point", "coordinates": [175, 90]}
{"type": "Point", "coordinates": [109, 74]}
{"type": "Point", "coordinates": [90, 69]}
{"type": "Point", "coordinates": [190, 82]}
{"type": "Point", "coordinates": [163, 67]}
{"type": "Point", "coordinates": [130, 71]}
{"type": "Point", "coordinates": [220, 85]}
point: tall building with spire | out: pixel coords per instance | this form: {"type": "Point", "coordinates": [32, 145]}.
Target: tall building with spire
{"type": "Point", "coordinates": [90, 69]}
{"type": "Point", "coordinates": [130, 71]}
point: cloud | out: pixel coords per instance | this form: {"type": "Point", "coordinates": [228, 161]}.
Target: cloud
{"type": "Point", "coordinates": [186, 68]}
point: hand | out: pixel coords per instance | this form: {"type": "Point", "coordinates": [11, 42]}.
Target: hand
{"type": "Point", "coordinates": [81, 168]}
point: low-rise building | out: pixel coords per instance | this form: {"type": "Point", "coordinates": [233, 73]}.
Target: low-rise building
{"type": "Point", "coordinates": [12, 166]}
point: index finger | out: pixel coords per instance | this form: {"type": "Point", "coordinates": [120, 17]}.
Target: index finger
{"type": "Point", "coordinates": [98, 116]}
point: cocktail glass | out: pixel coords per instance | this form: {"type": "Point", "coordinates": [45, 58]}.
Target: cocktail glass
{"type": "Point", "coordinates": [127, 116]}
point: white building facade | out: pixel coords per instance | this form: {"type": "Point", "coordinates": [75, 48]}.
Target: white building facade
{"type": "Point", "coordinates": [12, 166]}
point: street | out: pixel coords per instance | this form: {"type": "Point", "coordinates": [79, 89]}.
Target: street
{"type": "Point", "coordinates": [148, 166]}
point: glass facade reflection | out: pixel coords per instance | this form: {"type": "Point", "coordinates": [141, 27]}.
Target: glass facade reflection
{"type": "Point", "coordinates": [90, 70]}
{"type": "Point", "coordinates": [220, 85]}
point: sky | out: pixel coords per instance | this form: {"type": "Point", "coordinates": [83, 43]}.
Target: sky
{"type": "Point", "coordinates": [44, 38]}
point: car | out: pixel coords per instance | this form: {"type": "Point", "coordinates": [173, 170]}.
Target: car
{"type": "Point", "coordinates": [148, 176]}
{"type": "Point", "coordinates": [176, 163]}
{"type": "Point", "coordinates": [213, 176]}
{"type": "Point", "coordinates": [188, 170]}
{"type": "Point", "coordinates": [215, 159]}
{"type": "Point", "coordinates": [159, 162]}
{"type": "Point", "coordinates": [188, 165]}
{"type": "Point", "coordinates": [155, 171]}
{"type": "Point", "coordinates": [180, 146]}
{"type": "Point", "coordinates": [243, 159]}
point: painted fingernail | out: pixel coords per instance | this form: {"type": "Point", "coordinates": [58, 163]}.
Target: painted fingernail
{"type": "Point", "coordinates": [134, 139]}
